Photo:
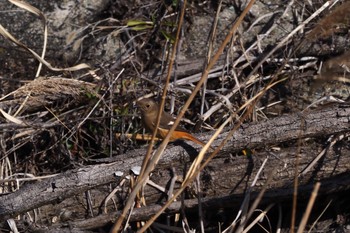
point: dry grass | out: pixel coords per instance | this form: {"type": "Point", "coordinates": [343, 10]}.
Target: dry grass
{"type": "Point", "coordinates": [66, 122]}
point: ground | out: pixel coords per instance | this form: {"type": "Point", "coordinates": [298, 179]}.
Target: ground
{"type": "Point", "coordinates": [68, 118]}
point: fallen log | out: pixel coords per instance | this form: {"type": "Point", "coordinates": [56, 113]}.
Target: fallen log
{"type": "Point", "coordinates": [225, 174]}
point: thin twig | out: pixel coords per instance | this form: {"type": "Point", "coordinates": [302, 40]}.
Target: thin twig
{"type": "Point", "coordinates": [309, 208]}
{"type": "Point", "coordinates": [148, 164]}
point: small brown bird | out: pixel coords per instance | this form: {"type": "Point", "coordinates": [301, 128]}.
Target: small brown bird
{"type": "Point", "coordinates": [149, 110]}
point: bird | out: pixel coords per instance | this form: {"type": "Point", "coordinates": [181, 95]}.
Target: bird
{"type": "Point", "coordinates": [149, 111]}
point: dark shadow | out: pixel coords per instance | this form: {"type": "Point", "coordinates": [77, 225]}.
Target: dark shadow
{"type": "Point", "coordinates": [246, 175]}
{"type": "Point", "coordinates": [191, 151]}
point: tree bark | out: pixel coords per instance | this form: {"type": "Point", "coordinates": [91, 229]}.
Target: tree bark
{"type": "Point", "coordinates": [226, 174]}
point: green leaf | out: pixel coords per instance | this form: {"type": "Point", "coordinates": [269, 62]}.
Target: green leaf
{"type": "Point", "coordinates": [139, 25]}
{"type": "Point", "coordinates": [168, 36]}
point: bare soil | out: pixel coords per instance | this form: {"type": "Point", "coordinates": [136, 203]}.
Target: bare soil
{"type": "Point", "coordinates": [65, 151]}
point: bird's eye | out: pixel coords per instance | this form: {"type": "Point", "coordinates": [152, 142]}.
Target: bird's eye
{"type": "Point", "coordinates": [148, 105]}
